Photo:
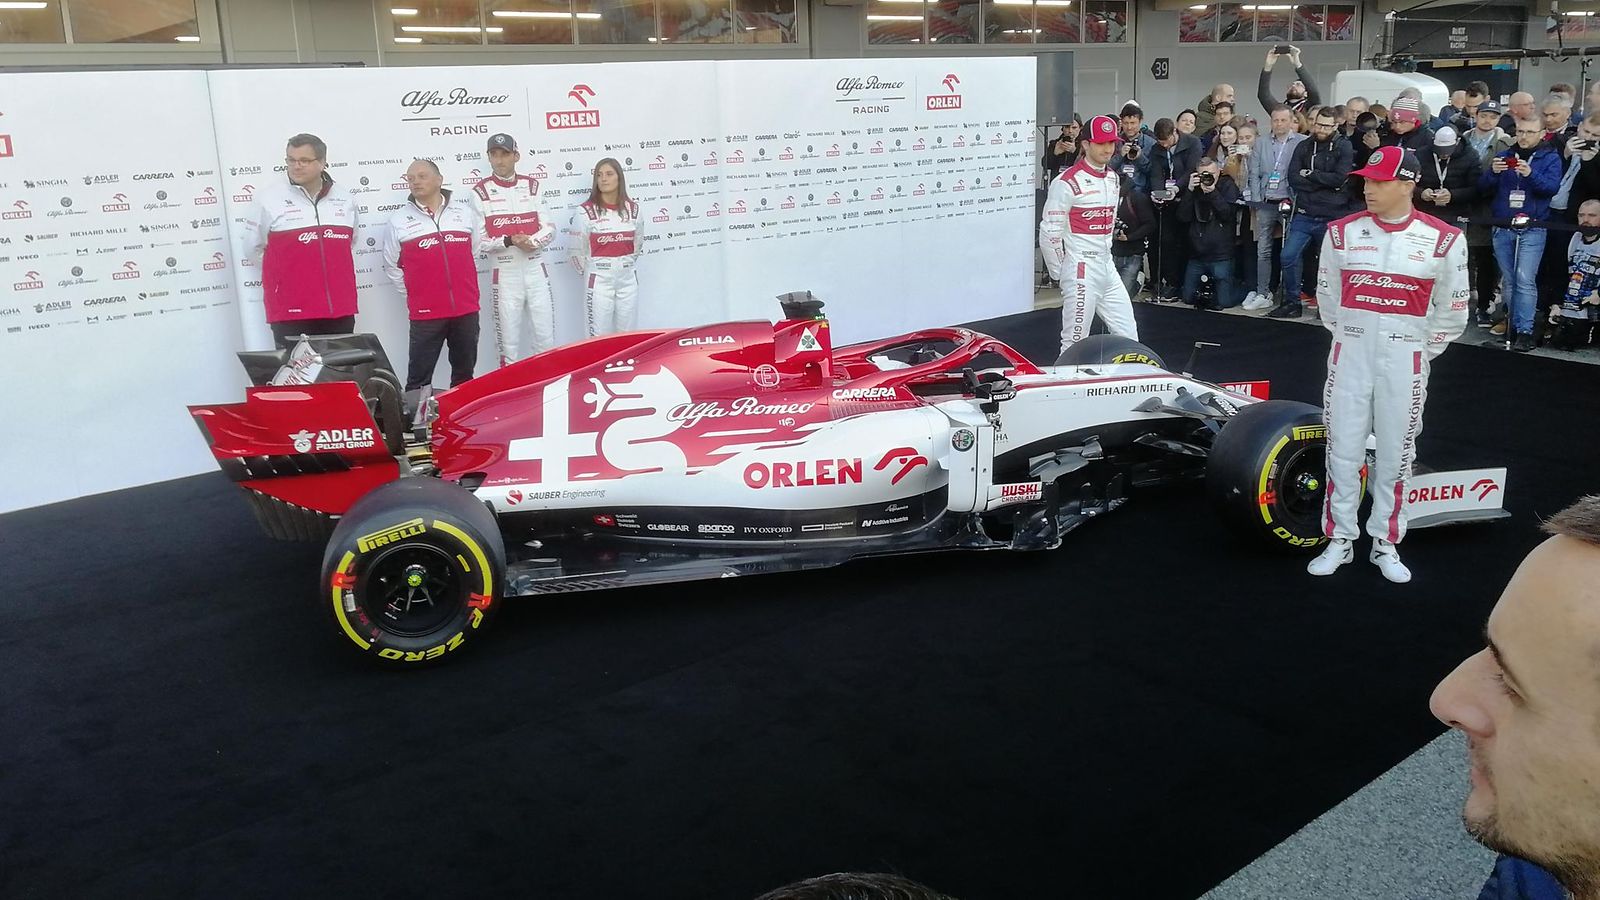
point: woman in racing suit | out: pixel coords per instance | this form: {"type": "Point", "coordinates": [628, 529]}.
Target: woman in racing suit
{"type": "Point", "coordinates": [606, 249]}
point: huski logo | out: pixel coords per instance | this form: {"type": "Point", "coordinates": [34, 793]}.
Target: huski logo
{"type": "Point", "coordinates": [19, 210]}
{"type": "Point", "coordinates": [585, 117]}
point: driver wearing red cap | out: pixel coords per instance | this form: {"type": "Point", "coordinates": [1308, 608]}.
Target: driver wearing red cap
{"type": "Point", "coordinates": [1392, 287]}
{"type": "Point", "coordinates": [1075, 238]}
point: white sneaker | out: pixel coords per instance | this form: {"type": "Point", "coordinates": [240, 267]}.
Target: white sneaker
{"type": "Point", "coordinates": [1387, 558]}
{"type": "Point", "coordinates": [1337, 553]}
{"type": "Point", "coordinates": [1259, 301]}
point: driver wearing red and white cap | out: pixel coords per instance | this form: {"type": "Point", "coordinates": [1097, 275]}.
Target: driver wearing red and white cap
{"type": "Point", "coordinates": [1392, 287]}
{"type": "Point", "coordinates": [1075, 238]}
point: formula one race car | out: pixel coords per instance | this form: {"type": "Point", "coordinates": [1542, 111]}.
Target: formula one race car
{"type": "Point", "coordinates": [736, 449]}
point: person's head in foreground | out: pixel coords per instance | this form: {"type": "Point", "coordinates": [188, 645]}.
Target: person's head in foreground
{"type": "Point", "coordinates": [1529, 704]}
{"type": "Point", "coordinates": [1390, 174]}
{"type": "Point", "coordinates": [855, 886]}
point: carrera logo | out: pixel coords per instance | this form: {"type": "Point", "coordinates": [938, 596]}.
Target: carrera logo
{"type": "Point", "coordinates": [388, 536]}
{"type": "Point", "coordinates": [705, 341]}
{"type": "Point", "coordinates": [805, 473]}
{"type": "Point", "coordinates": [579, 118]}
{"type": "Point", "coordinates": [876, 393]}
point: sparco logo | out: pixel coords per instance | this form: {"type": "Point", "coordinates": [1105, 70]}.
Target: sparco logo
{"type": "Point", "coordinates": [575, 118]}
{"type": "Point", "coordinates": [715, 529]}
{"type": "Point", "coordinates": [876, 393]}
{"type": "Point", "coordinates": [420, 102]}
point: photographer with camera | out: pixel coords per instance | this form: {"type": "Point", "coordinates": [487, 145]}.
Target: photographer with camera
{"type": "Point", "coordinates": [1317, 174]}
{"type": "Point", "coordinates": [1134, 145]}
{"type": "Point", "coordinates": [1210, 209]}
{"type": "Point", "coordinates": [1174, 157]}
{"type": "Point", "coordinates": [1130, 237]}
{"type": "Point", "coordinates": [1267, 187]}
{"type": "Point", "coordinates": [1522, 179]}
{"type": "Point", "coordinates": [1302, 93]}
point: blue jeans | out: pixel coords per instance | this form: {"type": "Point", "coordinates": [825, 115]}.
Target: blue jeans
{"type": "Point", "coordinates": [1128, 267]}
{"type": "Point", "coordinates": [1303, 230]}
{"type": "Point", "coordinates": [1221, 274]}
{"type": "Point", "coordinates": [1519, 287]}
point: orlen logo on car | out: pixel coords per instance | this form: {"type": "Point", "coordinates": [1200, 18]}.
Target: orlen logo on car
{"type": "Point", "coordinates": [575, 118]}
{"type": "Point", "coordinates": [206, 198]}
{"type": "Point", "coordinates": [31, 282]}
{"type": "Point", "coordinates": [217, 261]}
{"type": "Point", "coordinates": [119, 203]}
{"type": "Point", "coordinates": [661, 215]}
{"type": "Point", "coordinates": [129, 271]}
{"type": "Point", "coordinates": [660, 162]}
{"type": "Point", "coordinates": [1483, 488]}
{"type": "Point", "coordinates": [951, 100]}
{"type": "Point", "coordinates": [906, 457]}
{"type": "Point", "coordinates": [246, 194]}
{"type": "Point", "coordinates": [19, 211]}
{"type": "Point", "coordinates": [804, 473]}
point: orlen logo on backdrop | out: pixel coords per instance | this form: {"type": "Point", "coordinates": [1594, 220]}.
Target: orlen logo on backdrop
{"type": "Point", "coordinates": [129, 270]}
{"type": "Point", "coordinates": [19, 210]}
{"type": "Point", "coordinates": [660, 162]}
{"type": "Point", "coordinates": [206, 198]}
{"type": "Point", "coordinates": [217, 261]}
{"type": "Point", "coordinates": [661, 215]}
{"type": "Point", "coordinates": [5, 146]}
{"type": "Point", "coordinates": [246, 194]}
{"type": "Point", "coordinates": [575, 118]}
{"type": "Point", "coordinates": [30, 282]}
{"type": "Point", "coordinates": [949, 100]}
{"type": "Point", "coordinates": [119, 203]}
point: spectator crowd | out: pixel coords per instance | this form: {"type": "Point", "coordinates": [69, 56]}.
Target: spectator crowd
{"type": "Point", "coordinates": [1219, 209]}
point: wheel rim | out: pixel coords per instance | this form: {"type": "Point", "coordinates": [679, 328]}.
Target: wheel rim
{"type": "Point", "coordinates": [1302, 484]}
{"type": "Point", "coordinates": [412, 590]}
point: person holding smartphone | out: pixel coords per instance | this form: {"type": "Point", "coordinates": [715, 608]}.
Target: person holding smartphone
{"type": "Point", "coordinates": [1062, 152]}
{"type": "Point", "coordinates": [1302, 93]}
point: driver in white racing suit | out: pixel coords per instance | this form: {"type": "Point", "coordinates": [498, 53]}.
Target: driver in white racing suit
{"type": "Point", "coordinates": [1392, 287]}
{"type": "Point", "coordinates": [516, 229]}
{"type": "Point", "coordinates": [1075, 239]}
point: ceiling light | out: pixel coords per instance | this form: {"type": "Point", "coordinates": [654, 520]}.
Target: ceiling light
{"type": "Point", "coordinates": [402, 11]}
{"type": "Point", "coordinates": [188, 38]}
{"type": "Point", "coordinates": [1201, 6]}
{"type": "Point", "coordinates": [894, 18]}
{"type": "Point", "coordinates": [400, 40]}
{"type": "Point", "coordinates": [1270, 8]}
{"type": "Point", "coordinates": [31, 5]}
{"type": "Point", "coordinates": [448, 29]}
{"type": "Point", "coordinates": [1054, 2]}
{"type": "Point", "coordinates": [1583, 13]}
{"type": "Point", "coordinates": [588, 15]}
{"type": "Point", "coordinates": [531, 14]}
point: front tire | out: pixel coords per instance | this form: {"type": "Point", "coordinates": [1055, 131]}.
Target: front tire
{"type": "Point", "coordinates": [1106, 349]}
{"type": "Point", "coordinates": [1267, 473]}
{"type": "Point", "coordinates": [413, 572]}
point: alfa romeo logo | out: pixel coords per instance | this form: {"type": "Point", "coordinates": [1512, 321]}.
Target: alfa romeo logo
{"type": "Point", "coordinates": [963, 439]}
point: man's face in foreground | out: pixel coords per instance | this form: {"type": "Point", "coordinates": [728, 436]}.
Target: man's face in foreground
{"type": "Point", "coordinates": [1529, 704]}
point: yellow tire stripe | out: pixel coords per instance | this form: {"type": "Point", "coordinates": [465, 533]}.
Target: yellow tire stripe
{"type": "Point", "coordinates": [1261, 489]}
{"type": "Point", "coordinates": [338, 603]}
{"type": "Point", "coordinates": [477, 552]}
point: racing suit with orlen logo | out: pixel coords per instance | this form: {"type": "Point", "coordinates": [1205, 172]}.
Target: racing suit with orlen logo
{"type": "Point", "coordinates": [303, 244]}
{"type": "Point", "coordinates": [432, 261]}
{"type": "Point", "coordinates": [1394, 295]}
{"type": "Point", "coordinates": [521, 280]}
{"type": "Point", "coordinates": [606, 248]}
{"type": "Point", "coordinates": [1075, 238]}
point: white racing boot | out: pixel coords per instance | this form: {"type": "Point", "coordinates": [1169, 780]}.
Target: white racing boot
{"type": "Point", "coordinates": [1337, 553]}
{"type": "Point", "coordinates": [1387, 558]}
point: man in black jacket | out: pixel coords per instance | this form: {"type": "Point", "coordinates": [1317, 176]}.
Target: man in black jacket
{"type": "Point", "coordinates": [1406, 128]}
{"type": "Point", "coordinates": [1172, 160]}
{"type": "Point", "coordinates": [1302, 93]}
{"type": "Point", "coordinates": [1136, 224]}
{"type": "Point", "coordinates": [1450, 172]}
{"type": "Point", "coordinates": [1210, 208]}
{"type": "Point", "coordinates": [1317, 174]}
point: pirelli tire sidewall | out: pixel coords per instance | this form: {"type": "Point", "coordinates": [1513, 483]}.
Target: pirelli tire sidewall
{"type": "Point", "coordinates": [1108, 349]}
{"type": "Point", "coordinates": [1252, 468]}
{"type": "Point", "coordinates": [438, 520]}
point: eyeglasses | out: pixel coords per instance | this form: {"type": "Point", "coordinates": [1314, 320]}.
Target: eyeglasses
{"type": "Point", "coordinates": [301, 160]}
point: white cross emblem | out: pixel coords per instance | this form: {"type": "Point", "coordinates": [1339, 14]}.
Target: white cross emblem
{"type": "Point", "coordinates": [559, 446]}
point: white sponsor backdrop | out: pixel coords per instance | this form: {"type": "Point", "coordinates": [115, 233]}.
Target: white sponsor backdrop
{"type": "Point", "coordinates": [753, 178]}
{"type": "Point", "coordinates": [115, 293]}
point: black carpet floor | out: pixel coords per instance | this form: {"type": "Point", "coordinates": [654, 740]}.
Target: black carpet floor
{"type": "Point", "coordinates": [1137, 714]}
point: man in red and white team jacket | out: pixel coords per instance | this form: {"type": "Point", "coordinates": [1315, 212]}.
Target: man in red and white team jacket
{"type": "Point", "coordinates": [301, 235]}
{"type": "Point", "coordinates": [430, 254]}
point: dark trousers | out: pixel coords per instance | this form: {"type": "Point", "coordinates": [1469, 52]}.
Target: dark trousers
{"type": "Point", "coordinates": [286, 334]}
{"type": "Point", "coordinates": [1553, 266]}
{"type": "Point", "coordinates": [1220, 271]}
{"type": "Point", "coordinates": [1168, 251]}
{"type": "Point", "coordinates": [428, 337]}
{"type": "Point", "coordinates": [1485, 272]}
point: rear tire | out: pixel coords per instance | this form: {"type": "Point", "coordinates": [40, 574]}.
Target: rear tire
{"type": "Point", "coordinates": [1267, 473]}
{"type": "Point", "coordinates": [1108, 349]}
{"type": "Point", "coordinates": [413, 572]}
